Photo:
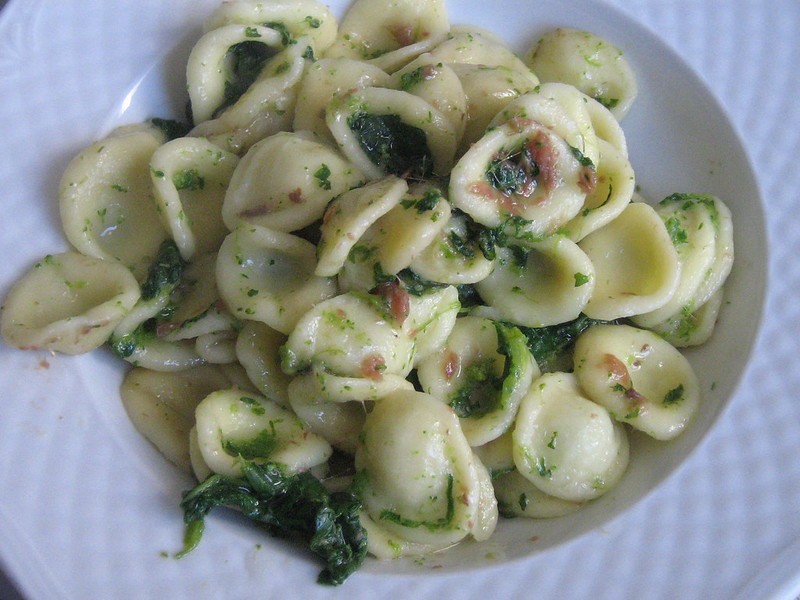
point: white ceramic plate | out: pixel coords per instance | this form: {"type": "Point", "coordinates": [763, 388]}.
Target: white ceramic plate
{"type": "Point", "coordinates": [87, 508]}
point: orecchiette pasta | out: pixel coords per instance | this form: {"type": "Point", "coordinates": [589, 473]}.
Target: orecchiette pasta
{"type": "Point", "coordinates": [642, 379]}
{"type": "Point", "coordinates": [565, 444]}
{"type": "Point", "coordinates": [423, 483]}
{"type": "Point", "coordinates": [391, 256]}
{"type": "Point", "coordinates": [69, 303]}
{"type": "Point", "coordinates": [106, 199]}
{"type": "Point", "coordinates": [588, 62]}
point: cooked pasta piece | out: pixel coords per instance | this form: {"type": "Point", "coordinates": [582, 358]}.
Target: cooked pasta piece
{"type": "Point", "coordinates": [339, 423]}
{"type": "Point", "coordinates": [692, 327]}
{"type": "Point", "coordinates": [390, 33]}
{"type": "Point", "coordinates": [68, 303]}
{"type": "Point", "coordinates": [213, 65]}
{"type": "Point", "coordinates": [588, 62]}
{"type": "Point", "coordinates": [285, 183]}
{"type": "Point", "coordinates": [353, 335]}
{"type": "Point", "coordinates": [349, 216]}
{"type": "Point", "coordinates": [559, 107]}
{"type": "Point", "coordinates": [520, 173]}
{"type": "Point", "coordinates": [190, 177]}
{"type": "Point", "coordinates": [326, 79]}
{"type": "Point", "coordinates": [422, 485]}
{"type": "Point", "coordinates": [293, 18]}
{"type": "Point", "coordinates": [547, 283]}
{"type": "Point", "coordinates": [384, 131]}
{"type": "Point", "coordinates": [639, 377]}
{"type": "Point", "coordinates": [636, 265]}
{"type": "Point", "coordinates": [468, 44]}
{"type": "Point", "coordinates": [693, 231]}
{"type": "Point", "coordinates": [258, 351]}
{"type": "Point", "coordinates": [265, 107]}
{"type": "Point", "coordinates": [439, 85]}
{"type": "Point", "coordinates": [162, 405]}
{"type": "Point", "coordinates": [452, 257]}
{"type": "Point", "coordinates": [488, 90]}
{"type": "Point", "coordinates": [268, 276]}
{"type": "Point", "coordinates": [106, 199]}
{"type": "Point", "coordinates": [565, 444]}
{"type": "Point", "coordinates": [233, 424]}
{"type": "Point", "coordinates": [611, 192]}
{"type": "Point", "coordinates": [518, 497]}
{"type": "Point", "coordinates": [482, 372]}
{"type": "Point", "coordinates": [431, 316]}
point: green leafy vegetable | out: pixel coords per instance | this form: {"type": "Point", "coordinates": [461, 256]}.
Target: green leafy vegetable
{"type": "Point", "coordinates": [393, 145]}
{"type": "Point", "coordinates": [165, 272]}
{"type": "Point", "coordinates": [287, 505]}
{"type": "Point", "coordinates": [188, 179]}
{"type": "Point", "coordinates": [549, 344]}
{"type": "Point", "coordinates": [674, 396]}
{"type": "Point", "coordinates": [507, 176]}
{"type": "Point", "coordinates": [171, 128]}
{"type": "Point", "coordinates": [676, 231]}
{"type": "Point", "coordinates": [246, 59]}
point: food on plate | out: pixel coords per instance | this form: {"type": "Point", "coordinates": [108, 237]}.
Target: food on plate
{"type": "Point", "coordinates": [392, 282]}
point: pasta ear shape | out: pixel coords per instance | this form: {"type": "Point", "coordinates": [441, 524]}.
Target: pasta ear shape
{"type": "Point", "coordinates": [523, 174]}
{"type": "Point", "coordinates": [258, 351]}
{"type": "Point", "coordinates": [588, 62]}
{"type": "Point", "coordinates": [481, 371]}
{"type": "Point", "coordinates": [338, 422]}
{"type": "Point", "coordinates": [268, 276]}
{"type": "Point", "coordinates": [423, 486]}
{"type": "Point", "coordinates": [234, 425]}
{"type": "Point", "coordinates": [106, 199]}
{"type": "Point", "coordinates": [453, 257]}
{"type": "Point", "coordinates": [518, 497]}
{"type": "Point", "coordinates": [162, 405]}
{"type": "Point", "coordinates": [636, 266]}
{"type": "Point", "coordinates": [190, 177]}
{"type": "Point", "coordinates": [293, 19]}
{"type": "Point", "coordinates": [547, 283]}
{"type": "Point", "coordinates": [384, 131]}
{"type": "Point", "coordinates": [396, 239]}
{"type": "Point", "coordinates": [68, 303]}
{"type": "Point", "coordinates": [265, 107]}
{"type": "Point", "coordinates": [351, 335]}
{"type": "Point", "coordinates": [476, 46]}
{"type": "Point", "coordinates": [349, 217]}
{"type": "Point", "coordinates": [212, 65]}
{"type": "Point", "coordinates": [693, 233]}
{"type": "Point", "coordinates": [612, 191]}
{"type": "Point", "coordinates": [325, 80]}
{"type": "Point", "coordinates": [285, 182]}
{"type": "Point", "coordinates": [488, 90]}
{"type": "Point", "coordinates": [439, 85]}
{"type": "Point", "coordinates": [639, 377]}
{"type": "Point", "coordinates": [390, 34]}
{"type": "Point", "coordinates": [565, 444]}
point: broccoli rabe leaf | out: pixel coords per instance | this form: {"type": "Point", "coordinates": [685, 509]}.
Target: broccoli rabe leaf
{"type": "Point", "coordinates": [549, 344]}
{"type": "Point", "coordinates": [165, 272]}
{"type": "Point", "coordinates": [288, 505]}
{"type": "Point", "coordinates": [171, 128]}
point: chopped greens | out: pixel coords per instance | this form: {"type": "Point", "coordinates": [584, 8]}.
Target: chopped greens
{"type": "Point", "coordinates": [438, 524]}
{"type": "Point", "coordinates": [393, 145]}
{"type": "Point", "coordinates": [548, 344]}
{"type": "Point", "coordinates": [171, 128]}
{"type": "Point", "coordinates": [287, 505]}
{"type": "Point", "coordinates": [247, 59]}
{"type": "Point", "coordinates": [188, 179]}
